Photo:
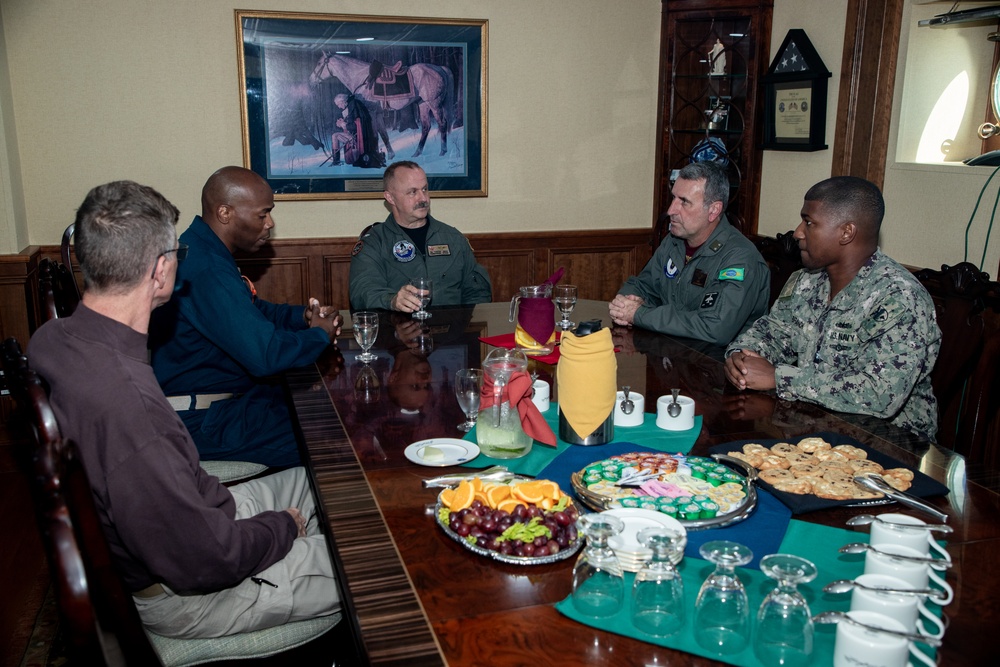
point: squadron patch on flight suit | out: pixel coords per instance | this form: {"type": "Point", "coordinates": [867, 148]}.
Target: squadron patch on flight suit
{"type": "Point", "coordinates": [709, 300]}
{"type": "Point", "coordinates": [357, 248]}
{"type": "Point", "coordinates": [438, 250]}
{"type": "Point", "coordinates": [670, 270]}
{"type": "Point", "coordinates": [404, 251]}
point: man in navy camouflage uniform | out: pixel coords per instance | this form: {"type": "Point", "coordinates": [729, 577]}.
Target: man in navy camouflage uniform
{"type": "Point", "coordinates": [706, 280]}
{"type": "Point", "coordinates": [853, 331]}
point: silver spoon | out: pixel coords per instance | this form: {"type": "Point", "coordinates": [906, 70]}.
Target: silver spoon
{"type": "Point", "coordinates": [865, 519]}
{"type": "Point", "coordinates": [674, 409]}
{"type": "Point", "coordinates": [628, 405]}
{"type": "Point", "coordinates": [838, 616]}
{"type": "Point", "coordinates": [860, 547]}
{"type": "Point", "coordinates": [845, 585]}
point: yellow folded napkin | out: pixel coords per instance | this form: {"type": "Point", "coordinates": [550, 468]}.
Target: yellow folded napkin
{"type": "Point", "coordinates": [587, 377]}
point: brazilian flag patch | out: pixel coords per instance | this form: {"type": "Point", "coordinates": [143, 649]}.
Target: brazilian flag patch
{"type": "Point", "coordinates": [731, 273]}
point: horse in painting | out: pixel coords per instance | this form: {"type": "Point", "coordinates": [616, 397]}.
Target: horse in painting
{"type": "Point", "coordinates": [433, 87]}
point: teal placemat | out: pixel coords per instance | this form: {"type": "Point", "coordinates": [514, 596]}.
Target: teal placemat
{"type": "Point", "coordinates": [817, 543]}
{"type": "Point", "coordinates": [647, 435]}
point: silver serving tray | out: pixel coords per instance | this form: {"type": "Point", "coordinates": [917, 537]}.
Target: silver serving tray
{"type": "Point", "coordinates": [563, 554]}
{"type": "Point", "coordinates": [739, 513]}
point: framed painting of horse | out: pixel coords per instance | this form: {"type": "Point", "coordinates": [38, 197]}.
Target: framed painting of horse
{"type": "Point", "coordinates": [328, 101]}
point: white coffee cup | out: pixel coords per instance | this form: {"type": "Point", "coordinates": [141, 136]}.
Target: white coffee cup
{"type": "Point", "coordinates": [637, 415]}
{"type": "Point", "coordinates": [916, 574]}
{"type": "Point", "coordinates": [903, 607]}
{"type": "Point", "coordinates": [896, 529]}
{"type": "Point", "coordinates": [856, 646]}
{"type": "Point", "coordinates": [541, 394]}
{"type": "Point", "coordinates": [682, 422]}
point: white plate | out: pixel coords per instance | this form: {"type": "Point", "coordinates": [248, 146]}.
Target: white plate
{"type": "Point", "coordinates": [453, 450]}
{"type": "Point", "coordinates": [627, 544]}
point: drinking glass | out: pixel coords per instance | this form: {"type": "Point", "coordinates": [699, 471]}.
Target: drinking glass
{"type": "Point", "coordinates": [365, 332]}
{"type": "Point", "coordinates": [722, 611]}
{"type": "Point", "coordinates": [598, 583]}
{"type": "Point", "coordinates": [658, 592]}
{"type": "Point", "coordinates": [423, 285]}
{"type": "Point", "coordinates": [565, 298]}
{"type": "Point", "coordinates": [468, 384]}
{"type": "Point", "coordinates": [784, 633]}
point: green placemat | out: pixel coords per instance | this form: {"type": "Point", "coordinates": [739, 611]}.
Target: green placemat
{"type": "Point", "coordinates": [817, 543]}
{"type": "Point", "coordinates": [647, 435]}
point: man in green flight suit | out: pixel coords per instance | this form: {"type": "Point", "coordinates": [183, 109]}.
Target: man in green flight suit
{"type": "Point", "coordinates": [706, 280]}
{"type": "Point", "coordinates": [853, 331]}
{"type": "Point", "coordinates": [410, 244]}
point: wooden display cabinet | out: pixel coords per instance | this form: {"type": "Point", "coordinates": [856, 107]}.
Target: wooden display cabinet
{"type": "Point", "coordinates": [709, 108]}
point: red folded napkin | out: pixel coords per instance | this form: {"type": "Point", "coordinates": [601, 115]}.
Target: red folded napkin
{"type": "Point", "coordinates": [518, 392]}
{"type": "Point", "coordinates": [507, 341]}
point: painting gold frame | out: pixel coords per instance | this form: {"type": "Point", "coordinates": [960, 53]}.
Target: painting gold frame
{"type": "Point", "coordinates": [327, 101]}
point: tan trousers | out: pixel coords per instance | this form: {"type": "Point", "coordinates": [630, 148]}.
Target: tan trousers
{"type": "Point", "coordinates": [304, 584]}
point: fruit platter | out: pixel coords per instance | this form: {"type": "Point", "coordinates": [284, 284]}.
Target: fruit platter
{"type": "Point", "coordinates": [699, 492]}
{"type": "Point", "coordinates": [518, 521]}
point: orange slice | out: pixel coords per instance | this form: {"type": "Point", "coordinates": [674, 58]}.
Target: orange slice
{"type": "Point", "coordinates": [477, 484]}
{"type": "Point", "coordinates": [447, 496]}
{"type": "Point", "coordinates": [549, 488]}
{"type": "Point", "coordinates": [529, 492]}
{"type": "Point", "coordinates": [547, 503]}
{"type": "Point", "coordinates": [481, 497]}
{"type": "Point", "coordinates": [464, 495]}
{"type": "Point", "coordinates": [508, 505]}
{"type": "Point", "coordinates": [496, 494]}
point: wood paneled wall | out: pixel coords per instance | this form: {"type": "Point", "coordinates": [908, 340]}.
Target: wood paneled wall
{"type": "Point", "coordinates": [293, 270]}
{"type": "Point", "coordinates": [598, 262]}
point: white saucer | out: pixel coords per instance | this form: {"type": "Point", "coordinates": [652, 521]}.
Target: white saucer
{"type": "Point", "coordinates": [631, 554]}
{"type": "Point", "coordinates": [452, 452]}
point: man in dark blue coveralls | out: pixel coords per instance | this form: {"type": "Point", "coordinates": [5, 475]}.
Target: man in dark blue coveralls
{"type": "Point", "coordinates": [216, 343]}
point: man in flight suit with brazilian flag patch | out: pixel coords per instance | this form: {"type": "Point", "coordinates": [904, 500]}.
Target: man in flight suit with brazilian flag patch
{"type": "Point", "coordinates": [706, 280]}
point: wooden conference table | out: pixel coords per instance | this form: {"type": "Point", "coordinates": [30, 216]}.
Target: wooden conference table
{"type": "Point", "coordinates": [415, 597]}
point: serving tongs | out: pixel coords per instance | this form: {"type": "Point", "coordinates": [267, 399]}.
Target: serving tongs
{"type": "Point", "coordinates": [492, 474]}
{"type": "Point", "coordinates": [838, 616]}
{"type": "Point", "coordinates": [635, 478]}
{"type": "Point", "coordinates": [875, 482]}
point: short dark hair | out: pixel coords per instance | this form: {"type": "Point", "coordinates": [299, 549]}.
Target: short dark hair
{"type": "Point", "coordinates": [851, 197]}
{"type": "Point", "coordinates": [716, 181]}
{"type": "Point", "coordinates": [121, 229]}
{"type": "Point", "coordinates": [390, 171]}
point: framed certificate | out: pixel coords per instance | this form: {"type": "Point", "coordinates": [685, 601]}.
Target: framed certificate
{"type": "Point", "coordinates": [795, 90]}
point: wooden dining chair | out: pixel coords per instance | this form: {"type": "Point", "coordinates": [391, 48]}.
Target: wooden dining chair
{"type": "Point", "coordinates": [57, 290]}
{"type": "Point", "coordinates": [66, 252]}
{"type": "Point", "coordinates": [99, 620]}
{"type": "Point", "coordinates": [782, 256]}
{"type": "Point", "coordinates": [967, 304]}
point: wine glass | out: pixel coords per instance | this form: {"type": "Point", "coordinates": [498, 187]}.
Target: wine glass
{"type": "Point", "coordinates": [565, 298]}
{"type": "Point", "coordinates": [784, 634]}
{"type": "Point", "coordinates": [598, 582]}
{"type": "Point", "coordinates": [468, 384]}
{"type": "Point", "coordinates": [365, 331]}
{"type": "Point", "coordinates": [423, 285]}
{"type": "Point", "coordinates": [722, 611]}
{"type": "Point", "coordinates": [658, 592]}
